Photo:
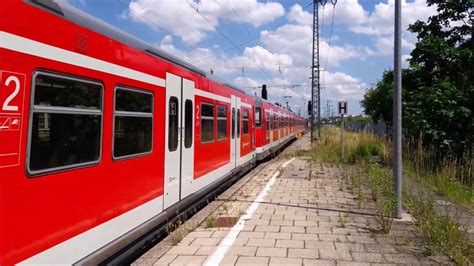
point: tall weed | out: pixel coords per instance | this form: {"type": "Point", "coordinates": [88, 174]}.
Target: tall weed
{"type": "Point", "coordinates": [386, 199]}
{"type": "Point", "coordinates": [442, 233]}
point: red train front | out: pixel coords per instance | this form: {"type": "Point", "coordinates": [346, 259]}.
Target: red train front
{"type": "Point", "coordinates": [101, 136]}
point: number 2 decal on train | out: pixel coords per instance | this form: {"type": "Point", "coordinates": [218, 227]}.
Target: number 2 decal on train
{"type": "Point", "coordinates": [12, 86]}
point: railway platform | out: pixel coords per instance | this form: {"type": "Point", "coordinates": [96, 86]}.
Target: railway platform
{"type": "Point", "coordinates": [290, 211]}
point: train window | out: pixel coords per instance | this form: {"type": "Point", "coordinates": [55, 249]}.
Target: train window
{"type": "Point", "coordinates": [129, 100]}
{"type": "Point", "coordinates": [133, 123]}
{"type": "Point", "coordinates": [66, 124]}
{"type": "Point", "coordinates": [221, 122]}
{"type": "Point", "coordinates": [207, 122]}
{"type": "Point", "coordinates": [173, 123]}
{"type": "Point", "coordinates": [245, 121]}
{"type": "Point", "coordinates": [53, 90]}
{"type": "Point", "coordinates": [188, 124]}
{"type": "Point", "coordinates": [275, 122]}
{"type": "Point", "coordinates": [267, 120]}
{"type": "Point", "coordinates": [257, 117]}
{"type": "Point", "coordinates": [238, 123]}
{"type": "Point", "coordinates": [233, 123]}
{"type": "Point", "coordinates": [271, 122]}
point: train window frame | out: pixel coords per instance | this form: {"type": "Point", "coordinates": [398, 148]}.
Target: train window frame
{"type": "Point", "coordinates": [208, 118]}
{"type": "Point", "coordinates": [233, 123]}
{"type": "Point", "coordinates": [221, 118]}
{"type": "Point", "coordinates": [33, 109]}
{"type": "Point", "coordinates": [238, 123]}
{"type": "Point", "coordinates": [132, 114]}
{"type": "Point", "coordinates": [258, 117]}
{"type": "Point", "coordinates": [271, 121]}
{"type": "Point", "coordinates": [267, 121]}
{"type": "Point", "coordinates": [177, 131]}
{"type": "Point", "coordinates": [245, 121]}
{"type": "Point", "coordinates": [188, 144]}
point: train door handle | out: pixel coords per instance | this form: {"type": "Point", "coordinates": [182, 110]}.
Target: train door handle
{"type": "Point", "coordinates": [180, 134]}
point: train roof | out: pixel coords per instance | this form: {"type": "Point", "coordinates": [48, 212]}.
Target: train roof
{"type": "Point", "coordinates": [85, 20]}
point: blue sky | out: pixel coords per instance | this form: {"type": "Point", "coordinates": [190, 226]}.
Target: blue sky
{"type": "Point", "coordinates": [254, 42]}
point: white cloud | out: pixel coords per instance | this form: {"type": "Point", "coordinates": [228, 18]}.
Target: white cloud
{"type": "Point", "coordinates": [384, 45]}
{"type": "Point", "coordinates": [299, 16]}
{"type": "Point", "coordinates": [341, 86]}
{"type": "Point", "coordinates": [253, 59]}
{"type": "Point", "coordinates": [348, 12]}
{"type": "Point", "coordinates": [179, 18]}
{"type": "Point", "coordinates": [295, 40]}
{"type": "Point", "coordinates": [381, 21]}
{"type": "Point", "coordinates": [285, 53]}
{"type": "Point", "coordinates": [380, 24]}
{"type": "Point", "coordinates": [258, 56]}
{"type": "Point", "coordinates": [405, 59]}
{"type": "Point", "coordinates": [252, 11]}
{"type": "Point", "coordinates": [336, 86]}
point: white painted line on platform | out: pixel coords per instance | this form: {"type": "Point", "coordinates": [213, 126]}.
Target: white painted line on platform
{"type": "Point", "coordinates": [287, 163]}
{"type": "Point", "coordinates": [229, 240]}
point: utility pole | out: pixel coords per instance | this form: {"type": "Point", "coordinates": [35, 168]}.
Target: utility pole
{"type": "Point", "coordinates": [328, 108]}
{"type": "Point", "coordinates": [287, 100]}
{"type": "Point", "coordinates": [342, 137]}
{"type": "Point", "coordinates": [315, 86]}
{"type": "Point", "coordinates": [397, 110]}
{"type": "Point", "coordinates": [315, 69]}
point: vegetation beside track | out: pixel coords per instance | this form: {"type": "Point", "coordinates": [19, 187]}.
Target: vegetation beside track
{"type": "Point", "coordinates": [438, 99]}
{"type": "Point", "coordinates": [371, 157]}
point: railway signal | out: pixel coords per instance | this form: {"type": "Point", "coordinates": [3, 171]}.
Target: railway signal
{"type": "Point", "coordinates": [342, 110]}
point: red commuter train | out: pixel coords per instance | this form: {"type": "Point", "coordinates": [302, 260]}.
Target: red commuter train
{"type": "Point", "coordinates": [102, 136]}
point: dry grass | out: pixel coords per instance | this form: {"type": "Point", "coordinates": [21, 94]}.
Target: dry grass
{"type": "Point", "coordinates": [442, 234]}
{"type": "Point", "coordinates": [419, 163]}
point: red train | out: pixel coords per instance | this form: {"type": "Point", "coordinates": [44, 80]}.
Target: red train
{"type": "Point", "coordinates": [102, 136]}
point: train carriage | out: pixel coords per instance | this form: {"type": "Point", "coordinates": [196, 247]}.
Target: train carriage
{"type": "Point", "coordinates": [103, 137]}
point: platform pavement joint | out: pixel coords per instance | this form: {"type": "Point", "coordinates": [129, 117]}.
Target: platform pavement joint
{"type": "Point", "coordinates": [298, 223]}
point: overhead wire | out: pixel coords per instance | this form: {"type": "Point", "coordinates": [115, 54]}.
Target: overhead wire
{"type": "Point", "coordinates": [154, 24]}
{"type": "Point", "coordinates": [266, 67]}
{"type": "Point", "coordinates": [234, 46]}
{"type": "Point", "coordinates": [223, 35]}
{"type": "Point", "coordinates": [255, 37]}
{"type": "Point", "coordinates": [236, 15]}
{"type": "Point", "coordinates": [330, 40]}
{"type": "Point", "coordinates": [322, 22]}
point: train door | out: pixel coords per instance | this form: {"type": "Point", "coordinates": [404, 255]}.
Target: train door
{"type": "Point", "coordinates": [271, 127]}
{"type": "Point", "coordinates": [187, 138]}
{"type": "Point", "coordinates": [233, 126]}
{"type": "Point", "coordinates": [235, 136]}
{"type": "Point", "coordinates": [179, 146]}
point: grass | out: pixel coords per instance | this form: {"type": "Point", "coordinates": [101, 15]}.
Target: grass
{"type": "Point", "coordinates": [385, 198]}
{"type": "Point", "coordinates": [177, 231]}
{"type": "Point", "coordinates": [356, 147]}
{"type": "Point", "coordinates": [211, 221]}
{"type": "Point", "coordinates": [363, 147]}
{"type": "Point", "coordinates": [442, 181]}
{"type": "Point", "coordinates": [342, 220]}
{"type": "Point", "coordinates": [441, 233]}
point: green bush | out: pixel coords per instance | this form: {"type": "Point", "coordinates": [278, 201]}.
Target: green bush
{"type": "Point", "coordinates": [363, 151]}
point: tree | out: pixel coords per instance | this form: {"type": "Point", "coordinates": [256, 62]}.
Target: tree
{"type": "Point", "coordinates": [438, 88]}
{"type": "Point", "coordinates": [443, 61]}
